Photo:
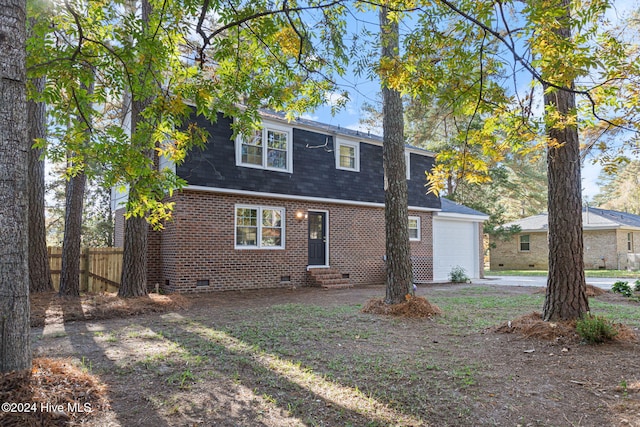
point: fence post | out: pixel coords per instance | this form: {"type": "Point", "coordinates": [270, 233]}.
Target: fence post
{"type": "Point", "coordinates": [85, 269]}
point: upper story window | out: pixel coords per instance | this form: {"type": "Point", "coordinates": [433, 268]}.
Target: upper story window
{"type": "Point", "coordinates": [525, 244]}
{"type": "Point", "coordinates": [414, 228]}
{"type": "Point", "coordinates": [268, 148]}
{"type": "Point", "coordinates": [348, 155]}
{"type": "Point", "coordinates": [259, 227]}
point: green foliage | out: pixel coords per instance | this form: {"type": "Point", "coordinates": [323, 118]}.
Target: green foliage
{"type": "Point", "coordinates": [595, 329]}
{"type": "Point", "coordinates": [461, 55]}
{"type": "Point", "coordinates": [619, 187]}
{"type": "Point", "coordinates": [458, 275]}
{"type": "Point", "coordinates": [622, 288]}
{"type": "Point", "coordinates": [183, 58]}
{"type": "Point", "coordinates": [636, 286]}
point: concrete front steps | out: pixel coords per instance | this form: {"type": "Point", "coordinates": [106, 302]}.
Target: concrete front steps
{"type": "Point", "coordinates": [329, 278]}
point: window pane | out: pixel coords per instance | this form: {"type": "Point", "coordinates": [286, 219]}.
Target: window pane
{"type": "Point", "coordinates": [277, 159]}
{"type": "Point", "coordinates": [251, 154]}
{"type": "Point", "coordinates": [255, 138]}
{"type": "Point", "coordinates": [276, 139]}
{"type": "Point", "coordinates": [247, 236]}
{"type": "Point", "coordinates": [413, 228]}
{"type": "Point", "coordinates": [347, 157]}
{"type": "Point", "coordinates": [316, 226]}
{"type": "Point", "coordinates": [246, 227]}
{"type": "Point", "coordinates": [271, 237]}
{"type": "Point", "coordinates": [271, 218]}
{"type": "Point", "coordinates": [271, 227]}
{"type": "Point", "coordinates": [248, 217]}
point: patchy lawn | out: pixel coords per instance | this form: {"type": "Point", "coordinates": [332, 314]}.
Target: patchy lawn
{"type": "Point", "coordinates": [622, 274]}
{"type": "Point", "coordinates": [311, 357]}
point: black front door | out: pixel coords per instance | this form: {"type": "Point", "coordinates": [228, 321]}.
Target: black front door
{"type": "Point", "coordinates": [317, 238]}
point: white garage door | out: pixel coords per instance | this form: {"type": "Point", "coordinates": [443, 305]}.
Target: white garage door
{"type": "Point", "coordinates": [454, 243]}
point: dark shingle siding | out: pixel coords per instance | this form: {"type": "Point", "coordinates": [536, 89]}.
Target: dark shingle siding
{"type": "Point", "coordinates": [314, 171]}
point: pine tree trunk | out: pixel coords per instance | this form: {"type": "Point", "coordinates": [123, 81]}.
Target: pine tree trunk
{"type": "Point", "coordinates": [134, 262]}
{"type": "Point", "coordinates": [566, 296]}
{"type": "Point", "coordinates": [566, 287]}
{"type": "Point", "coordinates": [399, 281]}
{"type": "Point", "coordinates": [39, 271]}
{"type": "Point", "coordinates": [133, 281]}
{"type": "Point", "coordinates": [71, 244]}
{"type": "Point", "coordinates": [15, 347]}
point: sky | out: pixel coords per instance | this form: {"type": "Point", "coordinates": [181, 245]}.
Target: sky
{"type": "Point", "coordinates": [363, 90]}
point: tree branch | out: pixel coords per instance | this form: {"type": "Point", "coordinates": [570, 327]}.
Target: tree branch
{"type": "Point", "coordinates": [534, 73]}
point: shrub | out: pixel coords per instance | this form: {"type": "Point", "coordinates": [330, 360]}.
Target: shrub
{"type": "Point", "coordinates": [595, 329]}
{"type": "Point", "coordinates": [622, 288]}
{"type": "Point", "coordinates": [637, 286]}
{"type": "Point", "coordinates": [458, 275]}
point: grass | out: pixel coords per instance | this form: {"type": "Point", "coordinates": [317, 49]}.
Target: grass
{"type": "Point", "coordinates": [617, 313]}
{"type": "Point", "coordinates": [317, 363]}
{"type": "Point", "coordinates": [464, 311]}
{"type": "Point", "coordinates": [622, 274]}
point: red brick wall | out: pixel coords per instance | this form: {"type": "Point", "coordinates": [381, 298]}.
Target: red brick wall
{"type": "Point", "coordinates": [198, 244]}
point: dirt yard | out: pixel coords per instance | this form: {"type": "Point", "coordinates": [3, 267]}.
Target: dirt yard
{"type": "Point", "coordinates": [310, 357]}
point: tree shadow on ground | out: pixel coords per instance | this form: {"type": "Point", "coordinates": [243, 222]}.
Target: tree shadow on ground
{"type": "Point", "coordinates": [255, 386]}
{"type": "Point", "coordinates": [92, 357]}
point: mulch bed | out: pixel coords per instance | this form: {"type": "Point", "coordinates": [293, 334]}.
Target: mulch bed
{"type": "Point", "coordinates": [532, 326]}
{"type": "Point", "coordinates": [99, 306]}
{"type": "Point", "coordinates": [53, 393]}
{"type": "Point", "coordinates": [414, 307]}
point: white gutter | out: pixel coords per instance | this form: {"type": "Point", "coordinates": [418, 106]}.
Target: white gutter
{"type": "Point", "coordinates": [294, 197]}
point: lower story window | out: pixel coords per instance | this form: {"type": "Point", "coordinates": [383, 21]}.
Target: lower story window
{"type": "Point", "coordinates": [259, 227]}
{"type": "Point", "coordinates": [414, 228]}
{"type": "Point", "coordinates": [525, 244]}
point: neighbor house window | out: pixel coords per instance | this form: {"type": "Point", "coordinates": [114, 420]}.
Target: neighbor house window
{"type": "Point", "coordinates": [268, 148]}
{"type": "Point", "coordinates": [348, 155]}
{"type": "Point", "coordinates": [259, 227]}
{"type": "Point", "coordinates": [414, 228]}
{"type": "Point", "coordinates": [630, 242]}
{"type": "Point", "coordinates": [524, 243]}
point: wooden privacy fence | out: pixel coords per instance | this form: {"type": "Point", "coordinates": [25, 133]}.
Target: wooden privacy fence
{"type": "Point", "coordinates": [100, 268]}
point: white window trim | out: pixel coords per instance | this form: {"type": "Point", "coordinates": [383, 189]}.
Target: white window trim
{"type": "Point", "coordinates": [266, 126]}
{"type": "Point", "coordinates": [407, 162]}
{"type": "Point", "coordinates": [520, 243]}
{"type": "Point", "coordinates": [259, 234]}
{"type": "Point", "coordinates": [356, 146]}
{"type": "Point", "coordinates": [417, 239]}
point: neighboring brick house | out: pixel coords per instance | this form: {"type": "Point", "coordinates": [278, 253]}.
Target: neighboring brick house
{"type": "Point", "coordinates": [301, 203]}
{"type": "Point", "coordinates": [611, 240]}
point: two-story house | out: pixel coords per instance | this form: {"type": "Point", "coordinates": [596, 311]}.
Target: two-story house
{"type": "Point", "coordinates": [300, 203]}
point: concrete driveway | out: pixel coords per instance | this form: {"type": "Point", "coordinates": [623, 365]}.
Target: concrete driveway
{"type": "Point", "coordinates": [601, 282]}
